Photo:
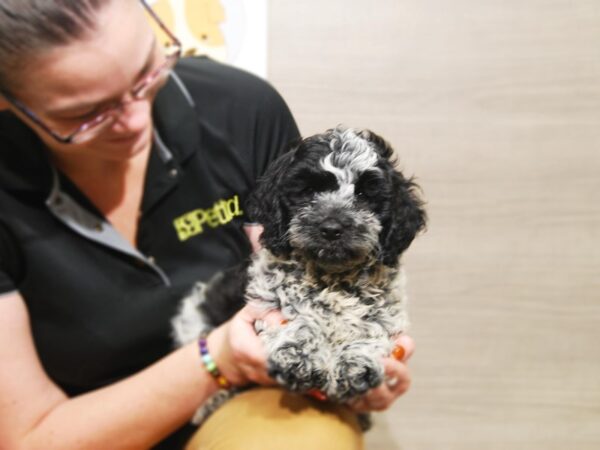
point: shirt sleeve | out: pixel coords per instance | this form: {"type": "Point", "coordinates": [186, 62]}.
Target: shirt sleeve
{"type": "Point", "coordinates": [276, 130]}
{"type": "Point", "coordinates": [247, 110]}
{"type": "Point", "coordinates": [11, 261]}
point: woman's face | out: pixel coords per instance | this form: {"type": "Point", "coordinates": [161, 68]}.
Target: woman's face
{"type": "Point", "coordinates": [70, 84]}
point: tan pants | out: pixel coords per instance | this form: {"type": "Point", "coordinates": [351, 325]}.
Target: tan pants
{"type": "Point", "coordinates": [272, 419]}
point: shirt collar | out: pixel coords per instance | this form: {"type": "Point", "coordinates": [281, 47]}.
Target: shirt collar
{"type": "Point", "coordinates": [176, 120]}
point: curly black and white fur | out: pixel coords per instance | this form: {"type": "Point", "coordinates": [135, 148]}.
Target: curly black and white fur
{"type": "Point", "coordinates": [337, 216]}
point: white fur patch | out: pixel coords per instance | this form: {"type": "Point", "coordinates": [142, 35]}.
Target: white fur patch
{"type": "Point", "coordinates": [355, 156]}
{"type": "Point", "coordinates": [347, 163]}
{"type": "Point", "coordinates": [188, 324]}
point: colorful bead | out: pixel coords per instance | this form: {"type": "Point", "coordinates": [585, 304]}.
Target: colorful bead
{"type": "Point", "coordinates": [222, 382]}
{"type": "Point", "coordinates": [211, 366]}
{"type": "Point", "coordinates": [317, 394]}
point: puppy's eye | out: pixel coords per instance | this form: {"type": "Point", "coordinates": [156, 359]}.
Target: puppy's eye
{"type": "Point", "coordinates": [310, 183]}
{"type": "Point", "coordinates": [368, 185]}
{"type": "Point", "coordinates": [308, 190]}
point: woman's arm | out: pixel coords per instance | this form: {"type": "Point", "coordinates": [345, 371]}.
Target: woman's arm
{"type": "Point", "coordinates": [136, 412]}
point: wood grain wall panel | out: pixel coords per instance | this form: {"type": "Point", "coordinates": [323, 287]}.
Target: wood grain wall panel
{"type": "Point", "coordinates": [495, 107]}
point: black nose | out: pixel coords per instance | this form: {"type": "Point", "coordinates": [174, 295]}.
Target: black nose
{"type": "Point", "coordinates": [330, 229]}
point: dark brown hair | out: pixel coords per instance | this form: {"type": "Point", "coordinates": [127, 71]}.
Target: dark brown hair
{"type": "Point", "coordinates": [30, 27]}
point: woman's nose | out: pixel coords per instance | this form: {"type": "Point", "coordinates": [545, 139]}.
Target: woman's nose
{"type": "Point", "coordinates": [134, 116]}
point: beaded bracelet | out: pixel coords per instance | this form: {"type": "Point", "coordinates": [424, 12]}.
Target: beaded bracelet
{"type": "Point", "coordinates": [210, 365]}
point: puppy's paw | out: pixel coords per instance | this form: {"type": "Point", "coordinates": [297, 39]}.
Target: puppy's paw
{"type": "Point", "coordinates": [291, 366]}
{"type": "Point", "coordinates": [355, 375]}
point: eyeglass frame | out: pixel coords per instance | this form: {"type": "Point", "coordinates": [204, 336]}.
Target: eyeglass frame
{"type": "Point", "coordinates": [167, 65]}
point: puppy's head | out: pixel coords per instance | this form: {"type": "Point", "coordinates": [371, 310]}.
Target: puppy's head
{"type": "Point", "coordinates": [337, 200]}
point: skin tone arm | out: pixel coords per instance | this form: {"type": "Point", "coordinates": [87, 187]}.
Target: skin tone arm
{"type": "Point", "coordinates": [134, 413]}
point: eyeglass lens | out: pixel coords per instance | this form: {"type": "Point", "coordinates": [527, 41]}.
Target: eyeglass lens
{"type": "Point", "coordinates": [146, 88]}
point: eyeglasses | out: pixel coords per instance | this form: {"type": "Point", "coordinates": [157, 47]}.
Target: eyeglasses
{"type": "Point", "coordinates": [101, 121]}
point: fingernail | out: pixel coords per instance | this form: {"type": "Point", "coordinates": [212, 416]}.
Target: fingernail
{"type": "Point", "coordinates": [259, 325]}
{"type": "Point", "coordinates": [317, 394]}
{"type": "Point", "coordinates": [391, 382]}
{"type": "Point", "coordinates": [398, 352]}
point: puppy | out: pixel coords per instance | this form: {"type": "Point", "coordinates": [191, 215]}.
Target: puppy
{"type": "Point", "coordinates": [337, 217]}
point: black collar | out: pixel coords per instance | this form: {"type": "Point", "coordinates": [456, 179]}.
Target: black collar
{"type": "Point", "coordinates": [175, 119]}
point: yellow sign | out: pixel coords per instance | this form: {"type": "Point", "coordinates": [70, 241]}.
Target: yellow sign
{"type": "Point", "coordinates": [194, 222]}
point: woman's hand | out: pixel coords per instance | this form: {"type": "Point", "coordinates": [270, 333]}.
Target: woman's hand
{"type": "Point", "coordinates": [238, 351]}
{"type": "Point", "coordinates": [397, 380]}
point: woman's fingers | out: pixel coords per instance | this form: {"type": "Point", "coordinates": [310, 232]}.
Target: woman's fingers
{"type": "Point", "coordinates": [396, 382]}
{"type": "Point", "coordinates": [397, 377]}
{"type": "Point", "coordinates": [246, 359]}
{"type": "Point", "coordinates": [379, 398]}
{"type": "Point", "coordinates": [407, 344]}
{"type": "Point", "coordinates": [247, 350]}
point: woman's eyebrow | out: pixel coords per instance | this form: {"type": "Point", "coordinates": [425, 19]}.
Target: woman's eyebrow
{"type": "Point", "coordinates": [149, 61]}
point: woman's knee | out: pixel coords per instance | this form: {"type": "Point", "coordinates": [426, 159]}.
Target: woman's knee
{"type": "Point", "coordinates": [270, 418]}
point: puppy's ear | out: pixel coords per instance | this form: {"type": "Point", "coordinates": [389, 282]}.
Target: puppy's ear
{"type": "Point", "coordinates": [266, 205]}
{"type": "Point", "coordinates": [381, 146]}
{"type": "Point", "coordinates": [407, 218]}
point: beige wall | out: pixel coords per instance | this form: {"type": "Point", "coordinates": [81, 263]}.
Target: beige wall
{"type": "Point", "coordinates": [495, 106]}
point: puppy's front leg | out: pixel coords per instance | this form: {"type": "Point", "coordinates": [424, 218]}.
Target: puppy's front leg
{"type": "Point", "coordinates": [208, 305]}
{"type": "Point", "coordinates": [358, 368]}
{"type": "Point", "coordinates": [298, 355]}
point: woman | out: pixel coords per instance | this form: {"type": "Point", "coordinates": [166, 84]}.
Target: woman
{"type": "Point", "coordinates": [121, 185]}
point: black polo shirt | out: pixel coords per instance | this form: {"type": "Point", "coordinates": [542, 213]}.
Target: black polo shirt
{"type": "Point", "coordinates": [99, 307]}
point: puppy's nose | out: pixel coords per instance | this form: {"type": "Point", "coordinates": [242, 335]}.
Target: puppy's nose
{"type": "Point", "coordinates": [330, 229]}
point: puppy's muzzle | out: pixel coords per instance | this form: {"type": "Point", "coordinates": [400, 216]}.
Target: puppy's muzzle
{"type": "Point", "coordinates": [331, 229]}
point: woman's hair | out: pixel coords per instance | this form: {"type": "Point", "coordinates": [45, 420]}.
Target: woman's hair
{"type": "Point", "coordinates": [30, 27]}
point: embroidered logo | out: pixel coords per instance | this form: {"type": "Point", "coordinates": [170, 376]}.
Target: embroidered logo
{"type": "Point", "coordinates": [195, 222]}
